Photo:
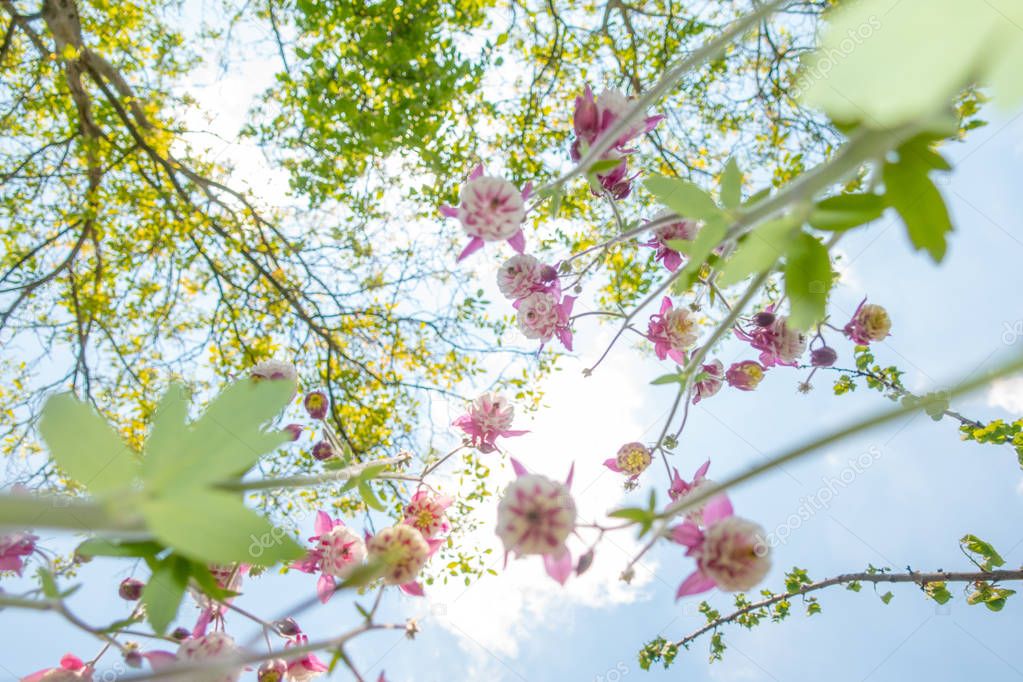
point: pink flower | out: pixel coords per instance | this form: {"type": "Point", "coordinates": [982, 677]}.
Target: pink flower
{"type": "Point", "coordinates": [673, 331]}
{"type": "Point", "coordinates": [869, 323]}
{"type": "Point", "coordinates": [542, 317]}
{"type": "Point", "coordinates": [273, 670]}
{"type": "Point", "coordinates": [491, 210]}
{"type": "Point", "coordinates": [730, 554]}
{"type": "Point", "coordinates": [714, 375]}
{"type": "Point", "coordinates": [71, 668]}
{"type": "Point", "coordinates": [523, 274]}
{"type": "Point", "coordinates": [205, 648]}
{"type": "Point", "coordinates": [337, 551]}
{"type": "Point", "coordinates": [617, 180]}
{"type": "Point", "coordinates": [316, 404]}
{"type": "Point", "coordinates": [275, 370]}
{"type": "Point", "coordinates": [403, 552]}
{"type": "Point", "coordinates": [228, 578]}
{"type": "Point", "coordinates": [13, 548]}
{"type": "Point", "coordinates": [489, 417]}
{"type": "Point", "coordinates": [595, 115]}
{"type": "Point", "coordinates": [681, 488]}
{"type": "Point", "coordinates": [778, 343]}
{"type": "Point", "coordinates": [535, 516]}
{"type": "Point", "coordinates": [425, 513]}
{"type": "Point", "coordinates": [632, 459]}
{"type": "Point", "coordinates": [683, 230]}
{"type": "Point", "coordinates": [323, 450]}
{"type": "Point", "coordinates": [745, 375]}
{"type": "Point", "coordinates": [308, 666]}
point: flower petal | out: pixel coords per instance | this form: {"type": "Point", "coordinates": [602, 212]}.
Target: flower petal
{"type": "Point", "coordinates": [694, 584]}
{"type": "Point", "coordinates": [517, 466]}
{"type": "Point", "coordinates": [518, 241]}
{"type": "Point", "coordinates": [412, 588]}
{"type": "Point", "coordinates": [559, 567]}
{"type": "Point", "coordinates": [325, 587]}
{"type": "Point", "coordinates": [612, 464]}
{"type": "Point", "coordinates": [719, 507]}
{"type": "Point", "coordinates": [474, 245]}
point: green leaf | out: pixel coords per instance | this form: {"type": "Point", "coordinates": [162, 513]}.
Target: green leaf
{"type": "Point", "coordinates": [731, 185]}
{"type": "Point", "coordinates": [637, 514]}
{"type": "Point", "coordinates": [603, 166]}
{"type": "Point", "coordinates": [974, 545]}
{"type": "Point", "coordinates": [200, 572]}
{"type": "Point", "coordinates": [938, 592]}
{"type": "Point", "coordinates": [910, 191]}
{"type": "Point", "coordinates": [674, 378]}
{"type": "Point", "coordinates": [163, 593]}
{"type": "Point", "coordinates": [846, 211]}
{"type": "Point", "coordinates": [708, 238]}
{"type": "Point", "coordinates": [48, 583]}
{"type": "Point", "coordinates": [887, 597]}
{"type": "Point", "coordinates": [100, 547]}
{"type": "Point", "coordinates": [226, 440]}
{"type": "Point", "coordinates": [363, 575]}
{"type": "Point", "coordinates": [682, 197]}
{"type": "Point", "coordinates": [758, 251]}
{"type": "Point", "coordinates": [369, 497]}
{"type": "Point", "coordinates": [165, 433]}
{"type": "Point", "coordinates": [215, 527]}
{"type": "Point", "coordinates": [86, 446]}
{"type": "Point", "coordinates": [807, 281]}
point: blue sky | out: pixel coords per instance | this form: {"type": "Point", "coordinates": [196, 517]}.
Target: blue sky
{"type": "Point", "coordinates": [923, 491]}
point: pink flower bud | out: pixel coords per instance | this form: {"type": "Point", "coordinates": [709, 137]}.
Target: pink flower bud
{"type": "Point", "coordinates": [293, 431]}
{"type": "Point", "coordinates": [764, 319]}
{"type": "Point", "coordinates": [130, 589]}
{"type": "Point", "coordinates": [323, 450]}
{"type": "Point", "coordinates": [316, 404]}
{"type": "Point", "coordinates": [825, 356]}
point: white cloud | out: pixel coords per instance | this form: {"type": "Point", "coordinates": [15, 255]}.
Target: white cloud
{"type": "Point", "coordinates": [1007, 394]}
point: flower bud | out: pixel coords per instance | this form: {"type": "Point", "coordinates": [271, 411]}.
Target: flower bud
{"type": "Point", "coordinates": [763, 319]}
{"type": "Point", "coordinates": [180, 634]}
{"type": "Point", "coordinates": [288, 627]}
{"type": "Point", "coordinates": [316, 404]}
{"type": "Point", "coordinates": [130, 589]}
{"type": "Point", "coordinates": [273, 670]}
{"type": "Point", "coordinates": [825, 356]}
{"type": "Point", "coordinates": [133, 658]}
{"type": "Point", "coordinates": [323, 450]}
{"type": "Point", "coordinates": [293, 431]}
{"type": "Point", "coordinates": [585, 561]}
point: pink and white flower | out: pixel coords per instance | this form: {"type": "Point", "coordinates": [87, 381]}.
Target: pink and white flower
{"type": "Point", "coordinates": [337, 552]}
{"type": "Point", "coordinates": [426, 513]}
{"type": "Point", "coordinates": [535, 516]}
{"type": "Point", "coordinates": [682, 230]}
{"type": "Point", "coordinates": [542, 317]}
{"type": "Point", "coordinates": [778, 343]}
{"type": "Point", "coordinates": [13, 550]}
{"type": "Point", "coordinates": [273, 670]}
{"type": "Point", "coordinates": [522, 275]}
{"type": "Point", "coordinates": [491, 210]}
{"type": "Point", "coordinates": [713, 374]}
{"type": "Point", "coordinates": [275, 370]}
{"type": "Point", "coordinates": [869, 323]}
{"type": "Point", "coordinates": [488, 418]}
{"type": "Point", "coordinates": [681, 488]}
{"type": "Point", "coordinates": [306, 667]}
{"type": "Point", "coordinates": [403, 552]}
{"type": "Point", "coordinates": [745, 375]}
{"type": "Point", "coordinates": [632, 459]}
{"type": "Point", "coordinates": [71, 668]}
{"type": "Point", "coordinates": [205, 648]}
{"type": "Point", "coordinates": [731, 554]}
{"type": "Point", "coordinates": [594, 115]}
{"type": "Point", "coordinates": [673, 331]}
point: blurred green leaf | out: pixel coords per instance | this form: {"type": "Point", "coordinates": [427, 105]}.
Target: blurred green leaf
{"type": "Point", "coordinates": [807, 281]}
{"type": "Point", "coordinates": [682, 197]}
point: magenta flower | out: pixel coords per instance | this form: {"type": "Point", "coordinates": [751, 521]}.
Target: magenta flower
{"type": "Point", "coordinates": [535, 516]}
{"type": "Point", "coordinates": [869, 323]}
{"type": "Point", "coordinates": [426, 513]}
{"type": "Point", "coordinates": [542, 317]}
{"type": "Point", "coordinates": [403, 552]}
{"type": "Point", "coordinates": [491, 210]}
{"type": "Point", "coordinates": [632, 459]}
{"type": "Point", "coordinates": [673, 331]}
{"type": "Point", "coordinates": [683, 230]}
{"type": "Point", "coordinates": [713, 376]}
{"type": "Point", "coordinates": [489, 417]}
{"type": "Point", "coordinates": [778, 343]}
{"type": "Point", "coordinates": [595, 115]}
{"type": "Point", "coordinates": [337, 552]}
{"type": "Point", "coordinates": [13, 549]}
{"type": "Point", "coordinates": [209, 647]}
{"type": "Point", "coordinates": [617, 181]}
{"type": "Point", "coordinates": [745, 375]}
{"type": "Point", "coordinates": [306, 667]}
{"type": "Point", "coordinates": [681, 488]}
{"type": "Point", "coordinates": [522, 275]}
{"type": "Point", "coordinates": [316, 404]}
{"type": "Point", "coordinates": [71, 668]}
{"type": "Point", "coordinates": [730, 554]}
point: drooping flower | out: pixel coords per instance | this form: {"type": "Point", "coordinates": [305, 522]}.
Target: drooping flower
{"type": "Point", "coordinates": [680, 488]}
{"type": "Point", "coordinates": [337, 551]}
{"type": "Point", "coordinates": [745, 375]}
{"type": "Point", "coordinates": [294, 431]}
{"type": "Point", "coordinates": [130, 589]}
{"type": "Point", "coordinates": [205, 648]}
{"type": "Point", "coordinates": [323, 450]}
{"type": "Point", "coordinates": [778, 343]}
{"type": "Point", "coordinates": [488, 418]}
{"type": "Point", "coordinates": [14, 548]}
{"type": "Point", "coordinates": [536, 516]}
{"type": "Point", "coordinates": [316, 404]}
{"type": "Point", "coordinates": [632, 459]}
{"type": "Point", "coordinates": [869, 323]}
{"type": "Point", "coordinates": [273, 670]}
{"type": "Point", "coordinates": [275, 370]}
{"type": "Point", "coordinates": [491, 210]}
{"type": "Point", "coordinates": [403, 552]}
{"type": "Point", "coordinates": [673, 331]}
{"type": "Point", "coordinates": [522, 275]}
{"type": "Point", "coordinates": [542, 317]}
{"type": "Point", "coordinates": [825, 356]}
{"type": "Point", "coordinates": [617, 181]}
{"type": "Point", "coordinates": [71, 668]}
{"type": "Point", "coordinates": [425, 513]}
{"type": "Point", "coordinates": [731, 554]}
{"type": "Point", "coordinates": [682, 230]}
{"type": "Point", "coordinates": [713, 376]}
{"type": "Point", "coordinates": [594, 115]}
{"type": "Point", "coordinates": [306, 667]}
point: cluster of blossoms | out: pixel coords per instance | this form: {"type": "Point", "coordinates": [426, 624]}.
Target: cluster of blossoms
{"type": "Point", "coordinates": [593, 118]}
{"type": "Point", "coordinates": [489, 417]}
{"type": "Point", "coordinates": [535, 291]}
